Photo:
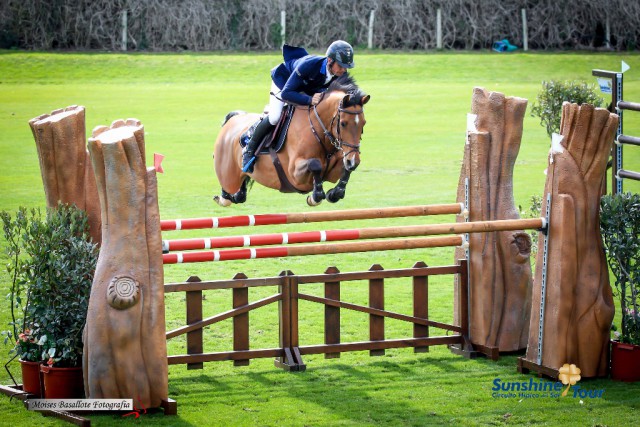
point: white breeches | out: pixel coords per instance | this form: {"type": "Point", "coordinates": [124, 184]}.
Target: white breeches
{"type": "Point", "coordinates": [275, 105]}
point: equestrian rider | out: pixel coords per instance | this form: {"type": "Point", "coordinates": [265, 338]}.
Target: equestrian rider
{"type": "Point", "coordinates": [300, 79]}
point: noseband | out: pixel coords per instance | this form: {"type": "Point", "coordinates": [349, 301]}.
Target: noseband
{"type": "Point", "coordinates": [337, 142]}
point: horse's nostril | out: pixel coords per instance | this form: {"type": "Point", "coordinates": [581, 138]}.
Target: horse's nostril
{"type": "Point", "coordinates": [351, 163]}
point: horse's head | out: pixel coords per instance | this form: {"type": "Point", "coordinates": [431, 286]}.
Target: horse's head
{"type": "Point", "coordinates": [350, 124]}
{"type": "Point", "coordinates": [346, 102]}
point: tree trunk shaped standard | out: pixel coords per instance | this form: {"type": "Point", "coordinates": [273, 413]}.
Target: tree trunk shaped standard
{"type": "Point", "coordinates": [125, 346]}
{"type": "Point", "coordinates": [578, 301]}
{"type": "Point", "coordinates": [499, 262]}
{"type": "Point", "coordinates": [64, 163]}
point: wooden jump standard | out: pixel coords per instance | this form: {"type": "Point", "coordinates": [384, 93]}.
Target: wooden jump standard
{"type": "Point", "coordinates": [296, 218]}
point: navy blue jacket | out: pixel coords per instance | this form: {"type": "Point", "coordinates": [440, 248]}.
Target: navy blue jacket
{"type": "Point", "coordinates": [300, 76]}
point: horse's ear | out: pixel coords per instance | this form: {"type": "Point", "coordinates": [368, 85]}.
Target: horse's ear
{"type": "Point", "coordinates": [365, 99]}
{"type": "Point", "coordinates": [345, 100]}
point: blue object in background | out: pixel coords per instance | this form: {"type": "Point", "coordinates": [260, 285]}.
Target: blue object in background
{"type": "Point", "coordinates": [504, 46]}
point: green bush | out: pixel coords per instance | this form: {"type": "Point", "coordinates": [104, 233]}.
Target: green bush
{"type": "Point", "coordinates": [620, 227]}
{"type": "Point", "coordinates": [549, 102]}
{"type": "Point", "coordinates": [52, 266]}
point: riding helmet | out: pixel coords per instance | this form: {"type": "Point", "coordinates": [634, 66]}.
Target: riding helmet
{"type": "Point", "coordinates": [341, 52]}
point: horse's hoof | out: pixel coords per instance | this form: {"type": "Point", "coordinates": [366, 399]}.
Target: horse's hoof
{"type": "Point", "coordinates": [240, 197]}
{"type": "Point", "coordinates": [312, 202]}
{"type": "Point", "coordinates": [222, 201]}
{"type": "Point", "coordinates": [334, 196]}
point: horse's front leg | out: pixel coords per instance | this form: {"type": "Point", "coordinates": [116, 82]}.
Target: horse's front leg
{"type": "Point", "coordinates": [314, 166]}
{"type": "Point", "coordinates": [337, 192]}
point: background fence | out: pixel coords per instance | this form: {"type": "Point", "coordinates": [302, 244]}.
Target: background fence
{"type": "Point", "coordinates": [205, 25]}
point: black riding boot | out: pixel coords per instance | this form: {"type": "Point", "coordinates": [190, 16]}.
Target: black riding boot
{"type": "Point", "coordinates": [248, 155]}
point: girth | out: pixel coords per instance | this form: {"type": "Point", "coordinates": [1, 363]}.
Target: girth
{"type": "Point", "coordinates": [285, 185]}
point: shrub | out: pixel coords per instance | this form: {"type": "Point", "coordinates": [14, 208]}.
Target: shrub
{"type": "Point", "coordinates": [620, 227]}
{"type": "Point", "coordinates": [548, 105]}
{"type": "Point", "coordinates": [15, 231]}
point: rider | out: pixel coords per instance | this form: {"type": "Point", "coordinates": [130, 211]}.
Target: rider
{"type": "Point", "coordinates": [300, 79]}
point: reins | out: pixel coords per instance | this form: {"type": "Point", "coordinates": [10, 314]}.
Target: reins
{"type": "Point", "coordinates": [337, 142]}
{"type": "Point", "coordinates": [354, 148]}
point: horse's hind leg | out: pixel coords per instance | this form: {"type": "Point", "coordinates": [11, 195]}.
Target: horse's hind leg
{"type": "Point", "coordinates": [337, 192]}
{"type": "Point", "coordinates": [241, 195]}
{"type": "Point", "coordinates": [317, 196]}
{"type": "Point", "coordinates": [225, 199]}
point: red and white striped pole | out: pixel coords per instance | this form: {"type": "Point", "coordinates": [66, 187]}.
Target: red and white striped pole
{"type": "Point", "coordinates": [296, 218]}
{"type": "Point", "coordinates": [330, 248]}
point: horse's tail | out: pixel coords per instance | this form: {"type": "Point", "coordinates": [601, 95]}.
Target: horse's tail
{"type": "Point", "coordinates": [231, 114]}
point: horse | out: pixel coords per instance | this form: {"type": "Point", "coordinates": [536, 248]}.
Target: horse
{"type": "Point", "coordinates": [322, 144]}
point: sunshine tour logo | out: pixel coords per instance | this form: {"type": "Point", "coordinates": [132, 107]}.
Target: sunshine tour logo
{"type": "Point", "coordinates": [568, 376]}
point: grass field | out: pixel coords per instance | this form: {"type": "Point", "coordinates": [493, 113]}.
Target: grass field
{"type": "Point", "coordinates": [411, 154]}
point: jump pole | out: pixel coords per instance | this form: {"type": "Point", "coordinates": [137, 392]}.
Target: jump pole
{"type": "Point", "coordinates": [297, 218]}
{"type": "Point", "coordinates": [322, 249]}
{"type": "Point", "coordinates": [352, 234]}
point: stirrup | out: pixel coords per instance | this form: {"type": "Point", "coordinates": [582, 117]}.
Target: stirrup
{"type": "Point", "coordinates": [247, 165]}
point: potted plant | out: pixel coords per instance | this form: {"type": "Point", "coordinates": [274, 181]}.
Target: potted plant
{"type": "Point", "coordinates": [57, 267]}
{"type": "Point", "coordinates": [620, 226]}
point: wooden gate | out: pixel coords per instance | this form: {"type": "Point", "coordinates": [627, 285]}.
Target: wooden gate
{"type": "Point", "coordinates": [291, 290]}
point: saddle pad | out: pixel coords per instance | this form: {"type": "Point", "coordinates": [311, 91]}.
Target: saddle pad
{"type": "Point", "coordinates": [282, 127]}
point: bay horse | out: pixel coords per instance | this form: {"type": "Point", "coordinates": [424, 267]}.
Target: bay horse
{"type": "Point", "coordinates": [322, 144]}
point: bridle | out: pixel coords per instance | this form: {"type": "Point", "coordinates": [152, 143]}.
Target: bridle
{"type": "Point", "coordinates": [336, 141]}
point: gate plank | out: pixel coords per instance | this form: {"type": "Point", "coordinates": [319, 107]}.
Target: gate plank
{"type": "Point", "coordinates": [241, 321]}
{"type": "Point", "coordinates": [420, 306]}
{"type": "Point", "coordinates": [332, 314]}
{"type": "Point", "coordinates": [376, 300]}
{"type": "Point", "coordinates": [194, 314]}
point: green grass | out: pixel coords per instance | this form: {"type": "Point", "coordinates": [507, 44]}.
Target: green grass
{"type": "Point", "coordinates": [411, 154]}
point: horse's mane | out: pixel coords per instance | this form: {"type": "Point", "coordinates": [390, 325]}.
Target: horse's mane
{"type": "Point", "coordinates": [347, 84]}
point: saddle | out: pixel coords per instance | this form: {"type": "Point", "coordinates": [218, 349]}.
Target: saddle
{"type": "Point", "coordinates": [272, 143]}
{"type": "Point", "coordinates": [274, 139]}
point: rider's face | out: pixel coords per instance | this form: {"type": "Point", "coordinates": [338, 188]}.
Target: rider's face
{"type": "Point", "coordinates": [336, 69]}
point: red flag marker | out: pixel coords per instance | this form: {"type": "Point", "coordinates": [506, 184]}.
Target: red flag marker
{"type": "Point", "coordinates": [157, 162]}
